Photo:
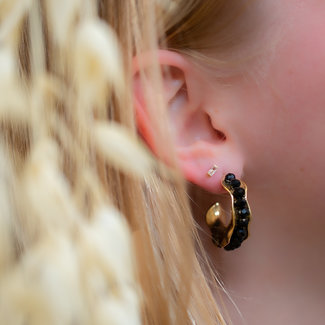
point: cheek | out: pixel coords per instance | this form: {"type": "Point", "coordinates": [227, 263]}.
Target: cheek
{"type": "Point", "coordinates": [286, 118]}
{"type": "Point", "coordinates": [297, 84]}
{"type": "Point", "coordinates": [298, 72]}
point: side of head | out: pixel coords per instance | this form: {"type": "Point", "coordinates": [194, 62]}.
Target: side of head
{"type": "Point", "coordinates": [241, 86]}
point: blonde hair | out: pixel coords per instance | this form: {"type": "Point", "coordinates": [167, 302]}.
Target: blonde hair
{"type": "Point", "coordinates": [73, 169]}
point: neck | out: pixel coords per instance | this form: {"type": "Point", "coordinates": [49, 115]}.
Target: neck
{"type": "Point", "coordinates": [279, 270]}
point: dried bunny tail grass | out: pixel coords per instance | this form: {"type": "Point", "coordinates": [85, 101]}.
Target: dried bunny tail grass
{"type": "Point", "coordinates": [98, 62]}
{"type": "Point", "coordinates": [12, 13]}
{"type": "Point", "coordinates": [66, 253]}
{"type": "Point", "coordinates": [76, 181]}
{"type": "Point", "coordinates": [86, 278]}
{"type": "Point", "coordinates": [7, 213]}
{"type": "Point", "coordinates": [45, 286]}
{"type": "Point", "coordinates": [13, 97]}
{"type": "Point", "coordinates": [121, 150]}
{"type": "Point", "coordinates": [107, 230]}
{"type": "Point", "coordinates": [73, 270]}
{"type": "Point", "coordinates": [65, 12]}
{"type": "Point", "coordinates": [46, 190]}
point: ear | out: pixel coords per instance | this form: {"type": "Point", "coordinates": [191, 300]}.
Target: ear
{"type": "Point", "coordinates": [200, 131]}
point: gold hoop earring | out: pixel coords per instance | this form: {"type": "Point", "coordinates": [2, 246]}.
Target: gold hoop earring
{"type": "Point", "coordinates": [230, 236]}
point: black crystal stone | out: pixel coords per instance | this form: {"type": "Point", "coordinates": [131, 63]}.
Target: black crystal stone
{"type": "Point", "coordinates": [229, 177]}
{"type": "Point", "coordinates": [240, 203]}
{"type": "Point", "coordinates": [243, 221]}
{"type": "Point", "coordinates": [235, 183]}
{"type": "Point", "coordinates": [230, 247]}
{"type": "Point", "coordinates": [234, 243]}
{"type": "Point", "coordinates": [239, 192]}
{"type": "Point", "coordinates": [243, 212]}
{"type": "Point", "coordinates": [242, 233]}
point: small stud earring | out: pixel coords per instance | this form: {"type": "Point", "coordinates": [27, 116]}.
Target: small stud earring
{"type": "Point", "coordinates": [230, 236]}
{"type": "Point", "coordinates": [212, 170]}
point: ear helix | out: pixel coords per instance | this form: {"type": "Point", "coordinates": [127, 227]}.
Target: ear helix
{"type": "Point", "coordinates": [232, 235]}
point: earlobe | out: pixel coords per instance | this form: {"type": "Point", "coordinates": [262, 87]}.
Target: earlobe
{"type": "Point", "coordinates": [198, 159]}
{"type": "Point", "coordinates": [199, 144]}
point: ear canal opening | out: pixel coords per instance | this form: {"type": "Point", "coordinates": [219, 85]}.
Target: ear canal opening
{"type": "Point", "coordinates": [221, 135]}
{"type": "Point", "coordinates": [218, 133]}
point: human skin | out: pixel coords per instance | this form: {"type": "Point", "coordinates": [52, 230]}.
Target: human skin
{"type": "Point", "coordinates": [277, 276]}
{"type": "Point", "coordinates": [272, 113]}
